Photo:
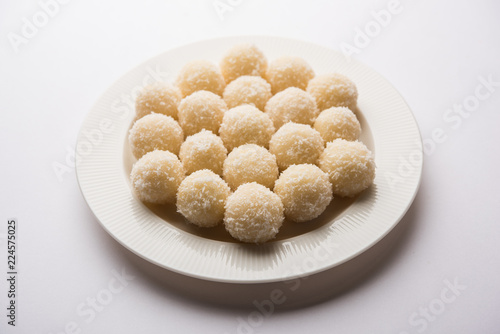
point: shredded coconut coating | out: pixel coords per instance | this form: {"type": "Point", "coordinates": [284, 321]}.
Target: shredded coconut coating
{"type": "Point", "coordinates": [295, 144]}
{"type": "Point", "coordinates": [155, 132]}
{"type": "Point", "coordinates": [243, 59]}
{"type": "Point", "coordinates": [156, 177]}
{"type": "Point", "coordinates": [305, 192]}
{"type": "Point", "coordinates": [253, 214]}
{"type": "Point", "coordinates": [333, 90]}
{"type": "Point", "coordinates": [287, 72]}
{"type": "Point", "coordinates": [203, 150]}
{"type": "Point", "coordinates": [200, 75]}
{"type": "Point", "coordinates": [349, 165]}
{"type": "Point", "coordinates": [245, 125]}
{"type": "Point", "coordinates": [201, 198]}
{"type": "Point", "coordinates": [338, 122]}
{"type": "Point", "coordinates": [250, 163]}
{"type": "Point", "coordinates": [292, 105]}
{"type": "Point", "coordinates": [160, 98]}
{"type": "Point", "coordinates": [247, 90]}
{"type": "Point", "coordinates": [201, 110]}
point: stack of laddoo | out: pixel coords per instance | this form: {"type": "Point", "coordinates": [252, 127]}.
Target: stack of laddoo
{"type": "Point", "coordinates": [249, 143]}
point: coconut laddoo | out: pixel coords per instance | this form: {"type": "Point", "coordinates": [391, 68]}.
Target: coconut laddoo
{"type": "Point", "coordinates": [337, 122]}
{"type": "Point", "coordinates": [250, 163]}
{"type": "Point", "coordinates": [156, 177]}
{"type": "Point", "coordinates": [247, 90]}
{"type": "Point", "coordinates": [287, 72]}
{"type": "Point", "coordinates": [235, 127]}
{"type": "Point", "coordinates": [295, 144]}
{"type": "Point", "coordinates": [245, 125]}
{"type": "Point", "coordinates": [200, 75]}
{"type": "Point", "coordinates": [201, 198]}
{"type": "Point", "coordinates": [160, 98]}
{"type": "Point", "coordinates": [333, 90]}
{"type": "Point", "coordinates": [253, 213]}
{"type": "Point", "coordinates": [243, 59]}
{"type": "Point", "coordinates": [292, 105]}
{"type": "Point", "coordinates": [349, 165]}
{"type": "Point", "coordinates": [203, 150]}
{"type": "Point", "coordinates": [201, 110]}
{"type": "Point", "coordinates": [155, 132]}
{"type": "Point", "coordinates": [305, 192]}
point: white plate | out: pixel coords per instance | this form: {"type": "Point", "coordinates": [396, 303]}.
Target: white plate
{"type": "Point", "coordinates": [346, 229]}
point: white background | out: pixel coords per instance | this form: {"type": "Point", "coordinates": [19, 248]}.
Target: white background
{"type": "Point", "coordinates": [433, 52]}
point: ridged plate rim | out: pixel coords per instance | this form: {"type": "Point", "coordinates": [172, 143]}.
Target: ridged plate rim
{"type": "Point", "coordinates": [103, 180]}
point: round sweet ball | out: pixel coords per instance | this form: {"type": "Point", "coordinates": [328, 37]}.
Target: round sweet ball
{"type": "Point", "coordinates": [253, 213]}
{"type": "Point", "coordinates": [155, 132]}
{"type": "Point", "coordinates": [250, 163]}
{"type": "Point", "coordinates": [247, 90]}
{"type": "Point", "coordinates": [305, 191]}
{"type": "Point", "coordinates": [338, 122]}
{"type": "Point", "coordinates": [349, 165]}
{"type": "Point", "coordinates": [292, 105]}
{"type": "Point", "coordinates": [287, 72]}
{"type": "Point", "coordinates": [200, 75]}
{"type": "Point", "coordinates": [245, 125]}
{"type": "Point", "coordinates": [161, 98]}
{"type": "Point", "coordinates": [201, 198]}
{"type": "Point", "coordinates": [201, 110]}
{"type": "Point", "coordinates": [203, 150]}
{"type": "Point", "coordinates": [243, 59]}
{"type": "Point", "coordinates": [295, 144]}
{"type": "Point", "coordinates": [333, 90]}
{"type": "Point", "coordinates": [156, 177]}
